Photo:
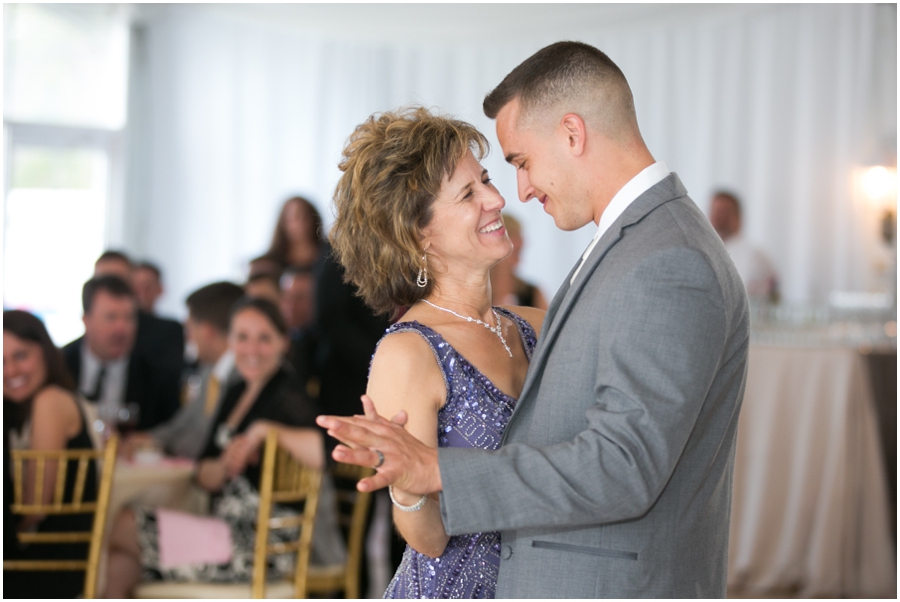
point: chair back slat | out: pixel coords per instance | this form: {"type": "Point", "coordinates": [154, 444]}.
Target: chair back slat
{"type": "Point", "coordinates": [80, 478]}
{"type": "Point", "coordinates": [59, 493]}
{"type": "Point", "coordinates": [66, 537]}
{"type": "Point", "coordinates": [17, 480]}
{"type": "Point", "coordinates": [39, 481]}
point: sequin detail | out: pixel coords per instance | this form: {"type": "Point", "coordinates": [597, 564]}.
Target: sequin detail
{"type": "Point", "coordinates": [475, 415]}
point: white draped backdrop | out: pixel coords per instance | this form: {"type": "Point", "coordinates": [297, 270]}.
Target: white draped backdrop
{"type": "Point", "coordinates": [231, 112]}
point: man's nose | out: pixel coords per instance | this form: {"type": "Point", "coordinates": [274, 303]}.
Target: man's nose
{"type": "Point", "coordinates": [526, 190]}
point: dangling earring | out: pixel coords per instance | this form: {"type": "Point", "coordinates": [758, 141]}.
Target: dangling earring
{"type": "Point", "coordinates": [422, 279]}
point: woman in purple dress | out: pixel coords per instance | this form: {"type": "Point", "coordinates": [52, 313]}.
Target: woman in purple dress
{"type": "Point", "coordinates": [418, 226]}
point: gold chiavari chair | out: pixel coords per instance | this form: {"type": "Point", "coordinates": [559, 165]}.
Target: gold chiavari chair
{"type": "Point", "coordinates": [39, 460]}
{"type": "Point", "coordinates": [284, 481]}
{"type": "Point", "coordinates": [353, 507]}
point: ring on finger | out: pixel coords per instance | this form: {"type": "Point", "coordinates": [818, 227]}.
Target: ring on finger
{"type": "Point", "coordinates": [380, 459]}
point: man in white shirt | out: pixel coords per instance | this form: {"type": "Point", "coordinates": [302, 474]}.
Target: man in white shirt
{"type": "Point", "coordinates": [109, 372]}
{"type": "Point", "coordinates": [752, 264]}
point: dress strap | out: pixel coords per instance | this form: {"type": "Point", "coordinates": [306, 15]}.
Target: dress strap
{"type": "Point", "coordinates": [526, 332]}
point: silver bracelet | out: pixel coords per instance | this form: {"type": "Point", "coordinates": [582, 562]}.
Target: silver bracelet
{"type": "Point", "coordinates": [415, 507]}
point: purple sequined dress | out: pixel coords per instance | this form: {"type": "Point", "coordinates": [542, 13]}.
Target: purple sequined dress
{"type": "Point", "coordinates": [475, 415]}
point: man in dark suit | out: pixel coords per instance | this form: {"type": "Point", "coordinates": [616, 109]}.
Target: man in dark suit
{"type": "Point", "coordinates": [109, 369]}
{"type": "Point", "coordinates": [158, 338]}
{"type": "Point", "coordinates": [297, 305]}
{"type": "Point", "coordinates": [348, 332]}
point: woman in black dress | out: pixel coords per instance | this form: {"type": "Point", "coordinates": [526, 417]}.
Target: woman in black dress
{"type": "Point", "coordinates": [268, 396]}
{"type": "Point", "coordinates": [40, 412]}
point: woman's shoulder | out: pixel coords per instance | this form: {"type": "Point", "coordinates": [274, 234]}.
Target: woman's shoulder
{"type": "Point", "coordinates": [56, 408]}
{"type": "Point", "coordinates": [405, 343]}
{"type": "Point", "coordinates": [532, 315]}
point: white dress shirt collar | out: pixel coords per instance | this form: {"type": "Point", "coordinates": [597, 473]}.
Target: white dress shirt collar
{"type": "Point", "coordinates": [223, 367]}
{"type": "Point", "coordinates": [635, 187]}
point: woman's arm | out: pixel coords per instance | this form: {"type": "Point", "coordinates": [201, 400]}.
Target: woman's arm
{"type": "Point", "coordinates": [306, 445]}
{"type": "Point", "coordinates": [211, 474]}
{"type": "Point", "coordinates": [55, 420]}
{"type": "Point", "coordinates": [405, 376]}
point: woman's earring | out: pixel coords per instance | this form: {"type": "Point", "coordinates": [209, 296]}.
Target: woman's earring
{"type": "Point", "coordinates": [422, 279]}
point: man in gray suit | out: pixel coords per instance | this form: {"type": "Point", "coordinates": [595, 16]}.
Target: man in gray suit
{"type": "Point", "coordinates": [614, 477]}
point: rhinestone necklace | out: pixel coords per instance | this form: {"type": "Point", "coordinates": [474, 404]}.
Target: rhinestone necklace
{"type": "Point", "coordinates": [494, 329]}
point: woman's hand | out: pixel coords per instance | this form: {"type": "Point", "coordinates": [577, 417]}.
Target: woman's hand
{"type": "Point", "coordinates": [211, 474]}
{"type": "Point", "coordinates": [244, 449]}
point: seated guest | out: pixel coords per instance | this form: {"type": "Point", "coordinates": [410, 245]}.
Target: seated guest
{"type": "Point", "coordinates": [146, 280]}
{"type": "Point", "coordinates": [298, 238]}
{"type": "Point", "coordinates": [506, 287]}
{"type": "Point", "coordinates": [40, 412]}
{"type": "Point", "coordinates": [158, 338]}
{"type": "Point", "coordinates": [753, 266]}
{"type": "Point", "coordinates": [264, 286]}
{"type": "Point", "coordinates": [266, 397]}
{"type": "Point", "coordinates": [298, 308]}
{"type": "Point", "coordinates": [105, 364]}
{"type": "Point", "coordinates": [184, 435]}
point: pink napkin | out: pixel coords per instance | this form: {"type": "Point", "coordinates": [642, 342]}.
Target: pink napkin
{"type": "Point", "coordinates": [190, 539]}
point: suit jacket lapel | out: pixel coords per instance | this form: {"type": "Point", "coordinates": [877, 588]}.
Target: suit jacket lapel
{"type": "Point", "coordinates": [667, 189]}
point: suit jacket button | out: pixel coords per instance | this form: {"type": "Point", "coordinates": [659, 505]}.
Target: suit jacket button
{"type": "Point", "coordinates": [506, 552]}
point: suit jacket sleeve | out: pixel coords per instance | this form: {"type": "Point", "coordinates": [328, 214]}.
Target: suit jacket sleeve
{"type": "Point", "coordinates": [650, 384]}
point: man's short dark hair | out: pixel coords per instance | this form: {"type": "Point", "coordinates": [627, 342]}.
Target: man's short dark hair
{"type": "Point", "coordinates": [575, 74]}
{"type": "Point", "coordinates": [730, 196]}
{"type": "Point", "coordinates": [113, 285]}
{"type": "Point", "coordinates": [212, 303]}
{"type": "Point", "coordinates": [147, 265]}
{"type": "Point", "coordinates": [111, 255]}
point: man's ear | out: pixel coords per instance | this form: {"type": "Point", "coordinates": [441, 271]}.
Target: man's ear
{"type": "Point", "coordinates": [573, 128]}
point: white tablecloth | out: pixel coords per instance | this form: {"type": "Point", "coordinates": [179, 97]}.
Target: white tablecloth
{"type": "Point", "coordinates": [810, 504]}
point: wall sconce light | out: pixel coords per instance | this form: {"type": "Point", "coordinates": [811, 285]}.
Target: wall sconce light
{"type": "Point", "coordinates": [878, 185]}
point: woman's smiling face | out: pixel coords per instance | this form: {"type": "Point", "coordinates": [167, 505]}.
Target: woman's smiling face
{"type": "Point", "coordinates": [466, 229]}
{"type": "Point", "coordinates": [24, 368]}
{"type": "Point", "coordinates": [257, 344]}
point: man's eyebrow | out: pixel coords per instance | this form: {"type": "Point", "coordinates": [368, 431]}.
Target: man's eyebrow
{"type": "Point", "coordinates": [512, 157]}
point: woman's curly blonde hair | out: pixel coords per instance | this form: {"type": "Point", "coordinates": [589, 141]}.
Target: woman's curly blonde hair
{"type": "Point", "coordinates": [394, 165]}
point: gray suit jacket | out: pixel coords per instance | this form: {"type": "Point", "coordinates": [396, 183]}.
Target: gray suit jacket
{"type": "Point", "coordinates": [186, 433]}
{"type": "Point", "coordinates": [614, 479]}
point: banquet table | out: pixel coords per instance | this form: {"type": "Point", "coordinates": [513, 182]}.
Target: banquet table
{"type": "Point", "coordinates": [810, 505]}
{"type": "Point", "coordinates": [167, 483]}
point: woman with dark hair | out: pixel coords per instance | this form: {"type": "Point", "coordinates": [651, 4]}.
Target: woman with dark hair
{"type": "Point", "coordinates": [298, 237]}
{"type": "Point", "coordinates": [40, 412]}
{"type": "Point", "coordinates": [267, 397]}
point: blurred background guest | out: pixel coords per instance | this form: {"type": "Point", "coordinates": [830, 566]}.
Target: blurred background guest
{"type": "Point", "coordinates": [264, 285]}
{"type": "Point", "coordinates": [267, 396]}
{"type": "Point", "coordinates": [298, 238]}
{"type": "Point", "coordinates": [298, 288]}
{"type": "Point", "coordinates": [184, 435]}
{"type": "Point", "coordinates": [40, 412]}
{"type": "Point", "coordinates": [506, 287]}
{"type": "Point", "coordinates": [158, 338]}
{"type": "Point", "coordinates": [146, 279]}
{"type": "Point", "coordinates": [105, 363]}
{"type": "Point", "coordinates": [752, 264]}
